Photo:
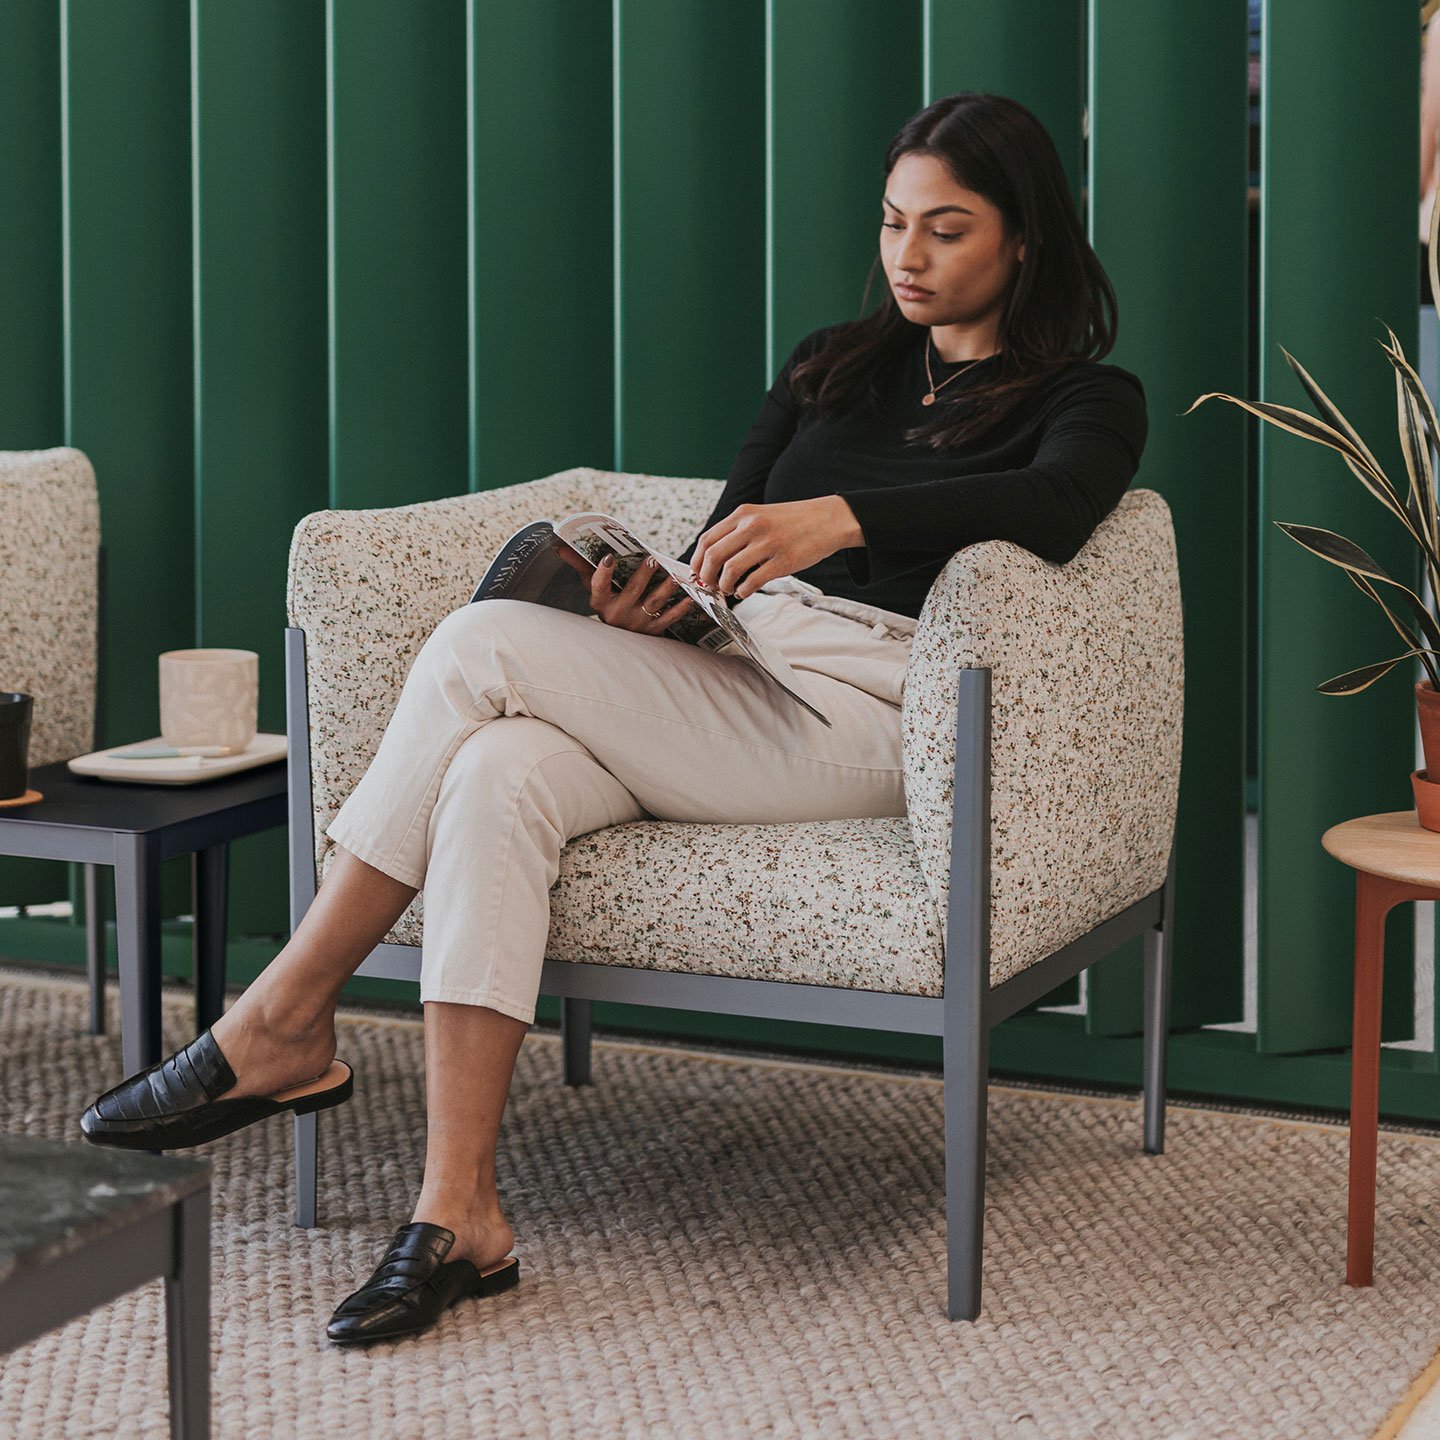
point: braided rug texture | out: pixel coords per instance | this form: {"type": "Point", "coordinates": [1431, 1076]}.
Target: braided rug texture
{"type": "Point", "coordinates": [735, 1247]}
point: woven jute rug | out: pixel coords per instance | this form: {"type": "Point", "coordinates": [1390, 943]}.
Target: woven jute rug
{"type": "Point", "coordinates": [728, 1246]}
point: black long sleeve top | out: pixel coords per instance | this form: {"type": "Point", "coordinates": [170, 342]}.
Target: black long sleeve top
{"type": "Point", "coordinates": [1044, 477]}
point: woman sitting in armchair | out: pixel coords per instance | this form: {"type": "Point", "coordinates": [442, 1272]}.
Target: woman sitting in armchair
{"type": "Point", "coordinates": [970, 405]}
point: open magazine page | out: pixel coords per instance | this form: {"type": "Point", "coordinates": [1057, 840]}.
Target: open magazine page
{"type": "Point", "coordinates": [713, 625]}
{"type": "Point", "coordinates": [527, 568]}
{"type": "Point", "coordinates": [596, 536]}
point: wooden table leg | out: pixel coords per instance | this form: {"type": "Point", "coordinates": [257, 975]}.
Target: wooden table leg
{"type": "Point", "coordinates": [1375, 896]}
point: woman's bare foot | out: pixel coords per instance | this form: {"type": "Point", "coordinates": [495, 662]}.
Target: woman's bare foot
{"type": "Point", "coordinates": [268, 1056]}
{"type": "Point", "coordinates": [482, 1235]}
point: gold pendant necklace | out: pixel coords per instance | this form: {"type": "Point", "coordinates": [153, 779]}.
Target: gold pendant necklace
{"type": "Point", "coordinates": [930, 398]}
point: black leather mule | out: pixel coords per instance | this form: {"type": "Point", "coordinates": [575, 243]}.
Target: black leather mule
{"type": "Point", "coordinates": [413, 1286]}
{"type": "Point", "coordinates": [180, 1102]}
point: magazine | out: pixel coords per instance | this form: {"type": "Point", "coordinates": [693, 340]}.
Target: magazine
{"type": "Point", "coordinates": [530, 567]}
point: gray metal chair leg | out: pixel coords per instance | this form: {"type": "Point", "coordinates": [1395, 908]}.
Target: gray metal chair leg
{"type": "Point", "coordinates": [965, 1048]}
{"type": "Point", "coordinates": [95, 949]}
{"type": "Point", "coordinates": [306, 1155]}
{"type": "Point", "coordinates": [1158, 941]}
{"type": "Point", "coordinates": [575, 1039]}
{"type": "Point", "coordinates": [967, 1085]}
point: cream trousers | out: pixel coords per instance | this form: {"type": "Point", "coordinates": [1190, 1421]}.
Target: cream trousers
{"type": "Point", "coordinates": [598, 725]}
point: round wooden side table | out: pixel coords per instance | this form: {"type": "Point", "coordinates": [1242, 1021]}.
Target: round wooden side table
{"type": "Point", "coordinates": [1394, 858]}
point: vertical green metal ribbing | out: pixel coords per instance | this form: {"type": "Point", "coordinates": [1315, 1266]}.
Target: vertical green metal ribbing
{"type": "Point", "coordinates": [31, 354]}
{"type": "Point", "coordinates": [690, 207]}
{"type": "Point", "coordinates": [1167, 219]}
{"type": "Point", "coordinates": [541, 297]}
{"type": "Point", "coordinates": [128, 372]}
{"type": "Point", "coordinates": [1338, 257]}
{"type": "Point", "coordinates": [260, 349]}
{"type": "Point", "coordinates": [840, 83]}
{"type": "Point", "coordinates": [1034, 52]}
{"type": "Point", "coordinates": [1030, 50]}
{"type": "Point", "coordinates": [398, 251]}
{"type": "Point", "coordinates": [128, 348]}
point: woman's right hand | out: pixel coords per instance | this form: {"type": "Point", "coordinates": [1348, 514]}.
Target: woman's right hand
{"type": "Point", "coordinates": [626, 607]}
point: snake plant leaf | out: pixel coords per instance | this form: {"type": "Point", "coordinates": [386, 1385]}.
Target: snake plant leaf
{"type": "Point", "coordinates": [1420, 507]}
{"type": "Point", "coordinates": [1420, 503]}
{"type": "Point", "coordinates": [1354, 681]}
{"type": "Point", "coordinates": [1395, 353]}
{"type": "Point", "coordinates": [1349, 556]}
{"type": "Point", "coordinates": [1297, 422]}
{"type": "Point", "coordinates": [1404, 631]}
{"type": "Point", "coordinates": [1329, 411]}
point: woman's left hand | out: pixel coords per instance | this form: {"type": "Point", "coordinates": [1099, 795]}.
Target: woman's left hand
{"type": "Point", "coordinates": [757, 543]}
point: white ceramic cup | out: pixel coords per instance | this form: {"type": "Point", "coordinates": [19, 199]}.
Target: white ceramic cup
{"type": "Point", "coordinates": [209, 697]}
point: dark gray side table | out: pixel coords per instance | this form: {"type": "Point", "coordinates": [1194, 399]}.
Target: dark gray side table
{"type": "Point", "coordinates": [80, 1225]}
{"type": "Point", "coordinates": [133, 828]}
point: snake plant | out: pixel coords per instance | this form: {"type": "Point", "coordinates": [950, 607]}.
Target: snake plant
{"type": "Point", "coordinates": [1419, 430]}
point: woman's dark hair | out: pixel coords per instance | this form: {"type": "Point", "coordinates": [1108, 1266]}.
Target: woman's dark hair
{"type": "Point", "coordinates": [1060, 309]}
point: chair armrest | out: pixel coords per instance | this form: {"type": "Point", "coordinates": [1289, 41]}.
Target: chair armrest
{"type": "Point", "coordinates": [368, 586]}
{"type": "Point", "coordinates": [1087, 699]}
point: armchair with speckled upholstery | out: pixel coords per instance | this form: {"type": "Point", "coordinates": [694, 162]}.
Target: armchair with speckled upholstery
{"type": "Point", "coordinates": [1041, 721]}
{"type": "Point", "coordinates": [51, 576]}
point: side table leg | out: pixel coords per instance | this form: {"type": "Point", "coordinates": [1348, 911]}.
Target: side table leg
{"type": "Point", "coordinates": [210, 895]}
{"type": "Point", "coordinates": [137, 935]}
{"type": "Point", "coordinates": [95, 949]}
{"type": "Point", "coordinates": [187, 1320]}
{"type": "Point", "coordinates": [1373, 902]}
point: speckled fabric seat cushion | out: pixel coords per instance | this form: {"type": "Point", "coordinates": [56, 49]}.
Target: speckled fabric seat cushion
{"type": "Point", "coordinates": [1087, 683]}
{"type": "Point", "coordinates": [834, 902]}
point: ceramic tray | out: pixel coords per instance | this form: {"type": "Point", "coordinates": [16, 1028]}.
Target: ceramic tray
{"type": "Point", "coordinates": [184, 770]}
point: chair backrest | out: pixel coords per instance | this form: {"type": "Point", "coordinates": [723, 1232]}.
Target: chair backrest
{"type": "Point", "coordinates": [368, 587]}
{"type": "Point", "coordinates": [49, 548]}
{"type": "Point", "coordinates": [1087, 697]}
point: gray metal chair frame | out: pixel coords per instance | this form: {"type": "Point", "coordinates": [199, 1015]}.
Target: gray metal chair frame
{"type": "Point", "coordinates": [962, 1016]}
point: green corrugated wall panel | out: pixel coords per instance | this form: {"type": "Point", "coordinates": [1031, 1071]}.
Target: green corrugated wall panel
{"type": "Point", "coordinates": [32, 388]}
{"type": "Point", "coordinates": [542, 304]}
{"type": "Point", "coordinates": [840, 83]}
{"type": "Point", "coordinates": [398, 287]}
{"type": "Point", "coordinates": [260, 351]}
{"type": "Point", "coordinates": [1168, 177]}
{"type": "Point", "coordinates": [1034, 51]}
{"type": "Point", "coordinates": [128, 336]}
{"type": "Point", "coordinates": [690, 232]}
{"type": "Point", "coordinates": [32, 385]}
{"type": "Point", "coordinates": [125, 71]}
{"type": "Point", "coordinates": [1338, 256]}
{"type": "Point", "coordinates": [1031, 50]}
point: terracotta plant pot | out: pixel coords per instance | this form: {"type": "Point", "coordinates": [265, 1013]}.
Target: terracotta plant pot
{"type": "Point", "coordinates": [1427, 703]}
{"type": "Point", "coordinates": [1427, 799]}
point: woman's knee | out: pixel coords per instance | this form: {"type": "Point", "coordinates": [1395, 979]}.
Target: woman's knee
{"type": "Point", "coordinates": [491, 628]}
{"type": "Point", "coordinates": [504, 751]}
{"type": "Point", "coordinates": [521, 765]}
